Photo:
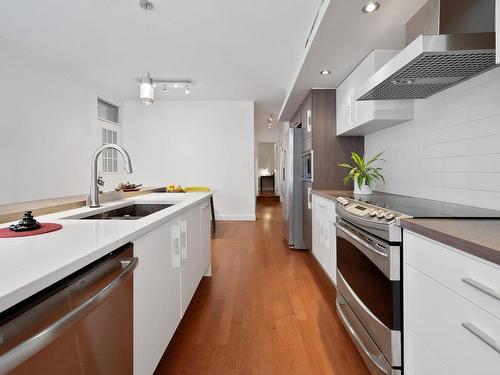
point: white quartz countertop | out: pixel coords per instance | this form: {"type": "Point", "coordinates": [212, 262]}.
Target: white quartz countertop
{"type": "Point", "coordinates": [30, 264]}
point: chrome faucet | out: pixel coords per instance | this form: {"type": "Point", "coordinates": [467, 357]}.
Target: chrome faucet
{"type": "Point", "coordinates": [94, 188]}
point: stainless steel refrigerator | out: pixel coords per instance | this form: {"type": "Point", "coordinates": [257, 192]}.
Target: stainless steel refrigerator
{"type": "Point", "coordinates": [291, 187]}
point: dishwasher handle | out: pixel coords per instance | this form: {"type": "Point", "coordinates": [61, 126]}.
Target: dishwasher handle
{"type": "Point", "coordinates": [17, 355]}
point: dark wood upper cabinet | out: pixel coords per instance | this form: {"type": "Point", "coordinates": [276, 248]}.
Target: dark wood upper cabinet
{"type": "Point", "coordinates": [330, 149]}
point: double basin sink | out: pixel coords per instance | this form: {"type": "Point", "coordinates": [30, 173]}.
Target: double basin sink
{"type": "Point", "coordinates": [130, 212]}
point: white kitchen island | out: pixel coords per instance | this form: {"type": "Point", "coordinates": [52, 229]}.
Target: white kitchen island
{"type": "Point", "coordinates": [172, 245]}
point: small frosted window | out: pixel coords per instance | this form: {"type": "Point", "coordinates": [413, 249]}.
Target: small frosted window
{"type": "Point", "coordinates": [109, 156]}
{"type": "Point", "coordinates": [108, 112]}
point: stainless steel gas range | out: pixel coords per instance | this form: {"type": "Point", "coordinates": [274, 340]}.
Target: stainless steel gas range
{"type": "Point", "coordinates": [369, 264]}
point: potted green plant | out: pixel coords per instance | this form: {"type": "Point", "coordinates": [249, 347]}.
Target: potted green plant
{"type": "Point", "coordinates": [363, 173]}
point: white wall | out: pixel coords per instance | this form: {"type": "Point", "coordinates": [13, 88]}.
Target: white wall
{"type": "Point", "coordinates": [451, 150]}
{"type": "Point", "coordinates": [196, 143]}
{"type": "Point", "coordinates": [48, 128]}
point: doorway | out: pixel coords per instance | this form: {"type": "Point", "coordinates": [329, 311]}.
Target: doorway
{"type": "Point", "coordinates": [267, 169]}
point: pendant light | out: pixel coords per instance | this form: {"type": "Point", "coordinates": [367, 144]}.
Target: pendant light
{"type": "Point", "coordinates": [147, 91]}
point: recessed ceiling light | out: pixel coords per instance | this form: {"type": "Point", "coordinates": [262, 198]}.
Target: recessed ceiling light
{"type": "Point", "coordinates": [371, 7]}
{"type": "Point", "coordinates": [325, 72]}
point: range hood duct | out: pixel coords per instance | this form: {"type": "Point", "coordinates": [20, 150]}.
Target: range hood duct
{"type": "Point", "coordinates": [448, 41]}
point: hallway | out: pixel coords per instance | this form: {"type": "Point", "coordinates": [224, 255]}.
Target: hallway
{"type": "Point", "coordinates": [266, 310]}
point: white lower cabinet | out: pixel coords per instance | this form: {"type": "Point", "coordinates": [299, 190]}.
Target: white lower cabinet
{"type": "Point", "coordinates": [445, 332]}
{"type": "Point", "coordinates": [205, 238]}
{"type": "Point", "coordinates": [172, 260]}
{"type": "Point", "coordinates": [157, 296]}
{"type": "Point", "coordinates": [324, 235]}
{"type": "Point", "coordinates": [190, 254]}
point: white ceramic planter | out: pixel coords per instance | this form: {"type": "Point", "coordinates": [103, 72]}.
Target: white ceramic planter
{"type": "Point", "coordinates": [365, 189]}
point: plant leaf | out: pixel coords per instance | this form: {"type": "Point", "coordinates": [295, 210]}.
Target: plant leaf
{"type": "Point", "coordinates": [345, 165]}
{"type": "Point", "coordinates": [362, 172]}
{"type": "Point", "coordinates": [358, 160]}
{"type": "Point", "coordinates": [376, 158]}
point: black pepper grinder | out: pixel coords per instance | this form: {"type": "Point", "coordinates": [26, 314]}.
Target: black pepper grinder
{"type": "Point", "coordinates": [27, 223]}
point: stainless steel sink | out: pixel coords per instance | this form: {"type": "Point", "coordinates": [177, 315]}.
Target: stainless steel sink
{"type": "Point", "coordinates": [131, 212]}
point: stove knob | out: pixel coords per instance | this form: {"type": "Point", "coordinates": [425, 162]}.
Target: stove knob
{"type": "Point", "coordinates": [342, 201]}
{"type": "Point", "coordinates": [389, 216]}
{"type": "Point", "coordinates": [380, 214]}
{"type": "Point", "coordinates": [372, 212]}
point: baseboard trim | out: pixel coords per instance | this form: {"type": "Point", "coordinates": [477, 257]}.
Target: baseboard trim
{"type": "Point", "coordinates": [235, 217]}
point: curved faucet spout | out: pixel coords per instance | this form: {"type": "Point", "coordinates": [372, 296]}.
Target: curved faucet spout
{"type": "Point", "coordinates": [94, 189]}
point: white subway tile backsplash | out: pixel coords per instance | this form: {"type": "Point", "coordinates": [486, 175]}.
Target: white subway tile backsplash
{"type": "Point", "coordinates": [485, 145]}
{"type": "Point", "coordinates": [475, 163]}
{"type": "Point", "coordinates": [451, 150]}
{"type": "Point", "coordinates": [441, 150]}
{"type": "Point", "coordinates": [472, 129]}
{"type": "Point", "coordinates": [430, 165]}
{"type": "Point", "coordinates": [430, 137]}
{"type": "Point", "coordinates": [486, 108]}
{"type": "Point", "coordinates": [485, 181]}
{"type": "Point", "coordinates": [486, 199]}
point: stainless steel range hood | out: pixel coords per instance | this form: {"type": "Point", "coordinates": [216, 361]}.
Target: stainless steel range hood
{"type": "Point", "coordinates": [449, 41]}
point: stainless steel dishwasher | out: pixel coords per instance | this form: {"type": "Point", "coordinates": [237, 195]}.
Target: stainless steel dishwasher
{"type": "Point", "coordinates": [80, 325]}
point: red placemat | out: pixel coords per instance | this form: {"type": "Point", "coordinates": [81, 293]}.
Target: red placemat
{"type": "Point", "coordinates": [45, 228]}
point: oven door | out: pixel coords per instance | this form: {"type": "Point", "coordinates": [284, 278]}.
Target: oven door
{"type": "Point", "coordinates": [368, 278]}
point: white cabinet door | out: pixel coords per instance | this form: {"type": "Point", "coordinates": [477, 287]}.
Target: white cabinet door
{"type": "Point", "coordinates": [324, 241]}
{"type": "Point", "coordinates": [475, 279]}
{"type": "Point", "coordinates": [317, 227]}
{"type": "Point", "coordinates": [191, 255]}
{"type": "Point", "coordinates": [367, 116]}
{"type": "Point", "coordinates": [451, 314]}
{"type": "Point", "coordinates": [205, 238]}
{"type": "Point", "coordinates": [331, 257]}
{"type": "Point", "coordinates": [438, 337]}
{"type": "Point", "coordinates": [157, 295]}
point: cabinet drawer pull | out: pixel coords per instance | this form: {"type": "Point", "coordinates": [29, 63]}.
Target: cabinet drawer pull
{"type": "Point", "coordinates": [483, 288]}
{"type": "Point", "coordinates": [481, 335]}
{"type": "Point", "coordinates": [184, 241]}
{"type": "Point", "coordinates": [176, 246]}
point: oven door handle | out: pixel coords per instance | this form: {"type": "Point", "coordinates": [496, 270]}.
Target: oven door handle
{"type": "Point", "coordinates": [361, 241]}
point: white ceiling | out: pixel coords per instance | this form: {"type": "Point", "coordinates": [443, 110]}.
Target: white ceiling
{"type": "Point", "coordinates": [343, 38]}
{"type": "Point", "coordinates": [229, 49]}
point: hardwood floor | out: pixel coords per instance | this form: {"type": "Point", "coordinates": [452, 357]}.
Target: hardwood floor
{"type": "Point", "coordinates": [266, 310]}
